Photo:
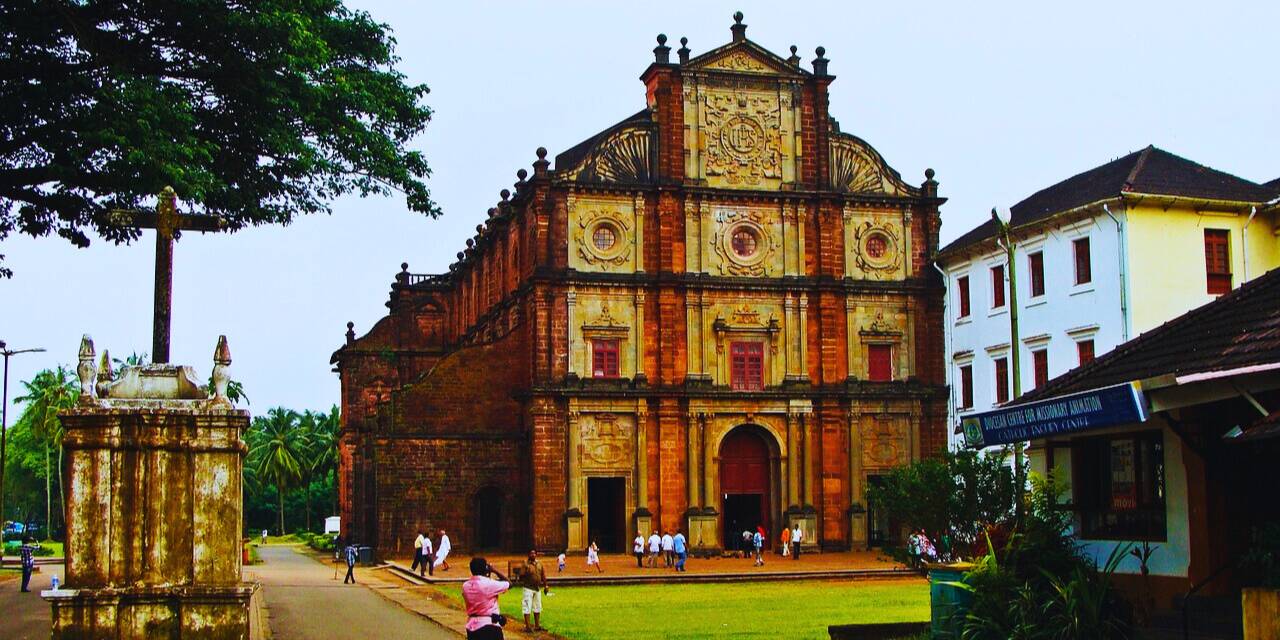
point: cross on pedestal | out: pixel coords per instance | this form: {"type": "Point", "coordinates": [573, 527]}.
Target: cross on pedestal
{"type": "Point", "coordinates": [168, 223]}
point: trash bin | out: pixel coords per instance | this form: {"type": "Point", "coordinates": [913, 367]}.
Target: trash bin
{"type": "Point", "coordinates": [365, 555]}
{"type": "Point", "coordinates": [946, 600]}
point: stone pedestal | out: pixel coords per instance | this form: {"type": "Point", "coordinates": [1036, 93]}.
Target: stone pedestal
{"type": "Point", "coordinates": [807, 518]}
{"type": "Point", "coordinates": [577, 534]}
{"type": "Point", "coordinates": [704, 538]}
{"type": "Point", "coordinates": [643, 522]}
{"type": "Point", "coordinates": [153, 509]}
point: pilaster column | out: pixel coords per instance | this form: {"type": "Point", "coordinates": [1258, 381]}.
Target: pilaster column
{"type": "Point", "coordinates": [808, 458]}
{"type": "Point", "coordinates": [802, 215]}
{"type": "Point", "coordinates": [789, 334]}
{"type": "Point", "coordinates": [804, 335]}
{"type": "Point", "coordinates": [642, 454]}
{"type": "Point", "coordinates": [639, 334]}
{"type": "Point", "coordinates": [855, 459]}
{"type": "Point", "coordinates": [575, 473]}
{"type": "Point", "coordinates": [708, 469]}
{"type": "Point", "coordinates": [571, 299]}
{"type": "Point", "coordinates": [851, 341]}
{"type": "Point", "coordinates": [793, 460]}
{"type": "Point", "coordinates": [691, 457]}
{"type": "Point", "coordinates": [693, 332]}
{"type": "Point", "coordinates": [704, 345]}
{"type": "Point", "coordinates": [639, 241]}
{"type": "Point", "coordinates": [906, 241]}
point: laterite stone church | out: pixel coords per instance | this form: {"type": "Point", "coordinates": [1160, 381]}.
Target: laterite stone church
{"type": "Point", "coordinates": [717, 313]}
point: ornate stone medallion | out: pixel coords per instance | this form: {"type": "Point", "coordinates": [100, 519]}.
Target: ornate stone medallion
{"type": "Point", "coordinates": [602, 238]}
{"type": "Point", "coordinates": [744, 137]}
{"type": "Point", "coordinates": [876, 250]}
{"type": "Point", "coordinates": [743, 243]}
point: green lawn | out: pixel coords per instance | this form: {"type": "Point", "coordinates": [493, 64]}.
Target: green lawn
{"type": "Point", "coordinates": [800, 609]}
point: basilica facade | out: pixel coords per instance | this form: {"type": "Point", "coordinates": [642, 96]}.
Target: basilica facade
{"type": "Point", "coordinates": [715, 314]}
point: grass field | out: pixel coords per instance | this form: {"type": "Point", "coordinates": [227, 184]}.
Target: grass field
{"type": "Point", "coordinates": [743, 610]}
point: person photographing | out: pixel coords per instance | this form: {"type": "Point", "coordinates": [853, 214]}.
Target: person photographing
{"type": "Point", "coordinates": [480, 593]}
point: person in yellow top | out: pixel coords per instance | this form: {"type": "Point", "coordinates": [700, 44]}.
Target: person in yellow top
{"type": "Point", "coordinates": [533, 581]}
{"type": "Point", "coordinates": [786, 541]}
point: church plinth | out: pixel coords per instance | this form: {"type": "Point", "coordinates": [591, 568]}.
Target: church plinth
{"type": "Point", "coordinates": [153, 507]}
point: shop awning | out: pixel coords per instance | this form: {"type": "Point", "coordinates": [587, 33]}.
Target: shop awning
{"type": "Point", "coordinates": [1072, 413]}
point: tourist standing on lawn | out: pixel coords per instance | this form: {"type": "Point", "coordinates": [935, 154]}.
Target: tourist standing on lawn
{"type": "Point", "coordinates": [480, 594]}
{"type": "Point", "coordinates": [797, 536]}
{"type": "Point", "coordinates": [28, 553]}
{"type": "Point", "coordinates": [428, 557]}
{"type": "Point", "coordinates": [534, 583]}
{"type": "Point", "coordinates": [655, 548]}
{"type": "Point", "coordinates": [786, 541]}
{"type": "Point", "coordinates": [593, 557]}
{"type": "Point", "coordinates": [350, 555]}
{"type": "Point", "coordinates": [442, 551]}
{"type": "Point", "coordinates": [680, 549]}
{"type": "Point", "coordinates": [637, 548]}
{"type": "Point", "coordinates": [668, 549]}
{"type": "Point", "coordinates": [417, 552]}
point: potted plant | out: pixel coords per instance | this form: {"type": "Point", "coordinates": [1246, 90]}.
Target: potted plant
{"type": "Point", "coordinates": [1260, 599]}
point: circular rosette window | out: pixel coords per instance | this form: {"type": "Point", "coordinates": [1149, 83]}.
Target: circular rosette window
{"type": "Point", "coordinates": [606, 240]}
{"type": "Point", "coordinates": [878, 248]}
{"type": "Point", "coordinates": [745, 243]}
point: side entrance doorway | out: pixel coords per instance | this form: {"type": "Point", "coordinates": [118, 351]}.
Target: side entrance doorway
{"type": "Point", "coordinates": [744, 484]}
{"type": "Point", "coordinates": [607, 514]}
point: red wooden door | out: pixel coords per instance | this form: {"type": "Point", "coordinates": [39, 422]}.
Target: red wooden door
{"type": "Point", "coordinates": [744, 470]}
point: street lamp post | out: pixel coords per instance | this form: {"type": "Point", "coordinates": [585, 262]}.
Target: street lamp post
{"type": "Point", "coordinates": [1001, 217]}
{"type": "Point", "coordinates": [4, 417]}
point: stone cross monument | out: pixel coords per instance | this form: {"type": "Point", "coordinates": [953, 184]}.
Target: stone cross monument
{"type": "Point", "coordinates": [153, 506]}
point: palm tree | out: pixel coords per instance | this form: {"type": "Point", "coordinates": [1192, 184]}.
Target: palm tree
{"type": "Point", "coordinates": [278, 447]}
{"type": "Point", "coordinates": [49, 392]}
{"type": "Point", "coordinates": [322, 456]}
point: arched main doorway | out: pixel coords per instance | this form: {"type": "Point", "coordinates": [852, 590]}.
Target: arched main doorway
{"type": "Point", "coordinates": [488, 511]}
{"type": "Point", "coordinates": [745, 475]}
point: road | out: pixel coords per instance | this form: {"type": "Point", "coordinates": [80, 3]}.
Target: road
{"type": "Point", "coordinates": [304, 601]}
{"type": "Point", "coordinates": [25, 616]}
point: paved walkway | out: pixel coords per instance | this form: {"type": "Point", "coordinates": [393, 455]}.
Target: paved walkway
{"type": "Point", "coordinates": [304, 601]}
{"type": "Point", "coordinates": [25, 616]}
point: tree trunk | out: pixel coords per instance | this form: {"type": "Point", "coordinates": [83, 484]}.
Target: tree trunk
{"type": "Point", "coordinates": [306, 502]}
{"type": "Point", "coordinates": [62, 493]}
{"type": "Point", "coordinates": [280, 495]}
{"type": "Point", "coordinates": [48, 495]}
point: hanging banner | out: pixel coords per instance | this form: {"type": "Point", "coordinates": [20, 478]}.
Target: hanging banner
{"type": "Point", "coordinates": [1105, 407]}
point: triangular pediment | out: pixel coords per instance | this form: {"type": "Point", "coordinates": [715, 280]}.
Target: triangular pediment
{"type": "Point", "coordinates": [745, 57]}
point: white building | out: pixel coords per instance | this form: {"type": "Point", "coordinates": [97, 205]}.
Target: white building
{"type": "Point", "coordinates": [1100, 258]}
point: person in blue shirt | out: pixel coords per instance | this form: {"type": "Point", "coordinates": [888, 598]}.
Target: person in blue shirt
{"type": "Point", "coordinates": [28, 552]}
{"type": "Point", "coordinates": [681, 550]}
{"type": "Point", "coordinates": [350, 554]}
{"type": "Point", "coordinates": [757, 541]}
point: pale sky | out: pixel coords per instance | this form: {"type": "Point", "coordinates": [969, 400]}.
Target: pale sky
{"type": "Point", "coordinates": [1000, 100]}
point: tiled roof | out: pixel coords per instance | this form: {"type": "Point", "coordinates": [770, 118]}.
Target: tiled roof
{"type": "Point", "coordinates": [1274, 185]}
{"type": "Point", "coordinates": [1239, 329]}
{"type": "Point", "coordinates": [1151, 170]}
{"type": "Point", "coordinates": [1264, 429]}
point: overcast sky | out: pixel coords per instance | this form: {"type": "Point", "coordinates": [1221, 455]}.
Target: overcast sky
{"type": "Point", "coordinates": [1000, 100]}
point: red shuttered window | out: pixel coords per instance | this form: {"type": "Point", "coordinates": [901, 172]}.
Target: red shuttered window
{"type": "Point", "coordinates": [1002, 380]}
{"type": "Point", "coordinates": [879, 362]}
{"type": "Point", "coordinates": [966, 386]}
{"type": "Point", "coordinates": [1217, 261]}
{"type": "Point", "coordinates": [1040, 360]}
{"type": "Point", "coordinates": [604, 358]}
{"type": "Point", "coordinates": [962, 291]}
{"type": "Point", "coordinates": [1084, 268]}
{"type": "Point", "coordinates": [1084, 349]}
{"type": "Point", "coordinates": [997, 286]}
{"type": "Point", "coordinates": [746, 366]}
{"type": "Point", "coordinates": [1036, 263]}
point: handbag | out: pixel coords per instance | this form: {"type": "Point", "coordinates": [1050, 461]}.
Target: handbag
{"type": "Point", "coordinates": [499, 619]}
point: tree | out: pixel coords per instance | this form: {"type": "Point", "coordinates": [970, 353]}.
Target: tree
{"type": "Point", "coordinates": [322, 452]}
{"type": "Point", "coordinates": [49, 392]}
{"type": "Point", "coordinates": [256, 112]}
{"type": "Point", "coordinates": [277, 450]}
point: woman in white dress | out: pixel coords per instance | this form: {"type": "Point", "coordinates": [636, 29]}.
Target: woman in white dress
{"type": "Point", "coordinates": [442, 552]}
{"type": "Point", "coordinates": [593, 557]}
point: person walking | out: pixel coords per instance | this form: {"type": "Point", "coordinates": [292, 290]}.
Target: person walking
{"type": "Point", "coordinates": [668, 550]}
{"type": "Point", "coordinates": [786, 541]}
{"type": "Point", "coordinates": [417, 552]}
{"type": "Point", "coordinates": [560, 562]}
{"type": "Point", "coordinates": [655, 548]}
{"type": "Point", "coordinates": [28, 553]}
{"type": "Point", "coordinates": [428, 557]}
{"type": "Point", "coordinates": [797, 536]}
{"type": "Point", "coordinates": [637, 549]}
{"type": "Point", "coordinates": [593, 557]}
{"type": "Point", "coordinates": [480, 595]}
{"type": "Point", "coordinates": [442, 551]}
{"type": "Point", "coordinates": [533, 582]}
{"type": "Point", "coordinates": [264, 536]}
{"type": "Point", "coordinates": [350, 555]}
{"type": "Point", "coordinates": [757, 542]}
{"type": "Point", "coordinates": [680, 549]}
{"type": "Point", "coordinates": [746, 543]}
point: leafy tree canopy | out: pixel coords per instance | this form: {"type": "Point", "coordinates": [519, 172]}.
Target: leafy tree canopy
{"type": "Point", "coordinates": [254, 111]}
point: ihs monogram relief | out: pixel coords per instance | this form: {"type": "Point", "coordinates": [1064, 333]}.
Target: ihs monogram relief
{"type": "Point", "coordinates": [739, 61]}
{"type": "Point", "coordinates": [607, 440]}
{"type": "Point", "coordinates": [743, 139]}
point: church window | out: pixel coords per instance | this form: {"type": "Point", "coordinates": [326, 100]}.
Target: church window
{"type": "Point", "coordinates": [877, 246]}
{"type": "Point", "coordinates": [604, 237]}
{"type": "Point", "coordinates": [879, 362]}
{"type": "Point", "coordinates": [604, 358]}
{"type": "Point", "coordinates": [744, 242]}
{"type": "Point", "coordinates": [1217, 261]}
{"type": "Point", "coordinates": [747, 366]}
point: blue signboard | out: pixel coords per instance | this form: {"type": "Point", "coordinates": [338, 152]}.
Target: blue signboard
{"type": "Point", "coordinates": [1105, 407]}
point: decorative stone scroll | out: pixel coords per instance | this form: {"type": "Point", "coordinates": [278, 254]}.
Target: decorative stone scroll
{"type": "Point", "coordinates": [858, 168]}
{"type": "Point", "coordinates": [621, 157]}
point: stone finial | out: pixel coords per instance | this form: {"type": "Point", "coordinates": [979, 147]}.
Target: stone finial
{"type": "Point", "coordinates": [351, 332]}
{"type": "Point", "coordinates": [461, 256]}
{"type": "Point", "coordinates": [221, 362]}
{"type": "Point", "coordinates": [684, 50]}
{"type": "Point", "coordinates": [930, 185]}
{"type": "Point", "coordinates": [403, 276]}
{"type": "Point", "coordinates": [662, 53]}
{"type": "Point", "coordinates": [105, 374]}
{"type": "Point", "coordinates": [820, 62]}
{"type": "Point", "coordinates": [493, 211]}
{"type": "Point", "coordinates": [87, 369]}
{"type": "Point", "coordinates": [794, 58]}
{"type": "Point", "coordinates": [738, 29]}
{"type": "Point", "coordinates": [505, 195]}
{"type": "Point", "coordinates": [521, 174]}
{"type": "Point", "coordinates": [540, 165]}
{"type": "Point", "coordinates": [479, 229]}
{"type": "Point", "coordinates": [470, 243]}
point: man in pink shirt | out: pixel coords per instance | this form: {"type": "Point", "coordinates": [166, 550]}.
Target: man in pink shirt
{"type": "Point", "coordinates": [480, 593]}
